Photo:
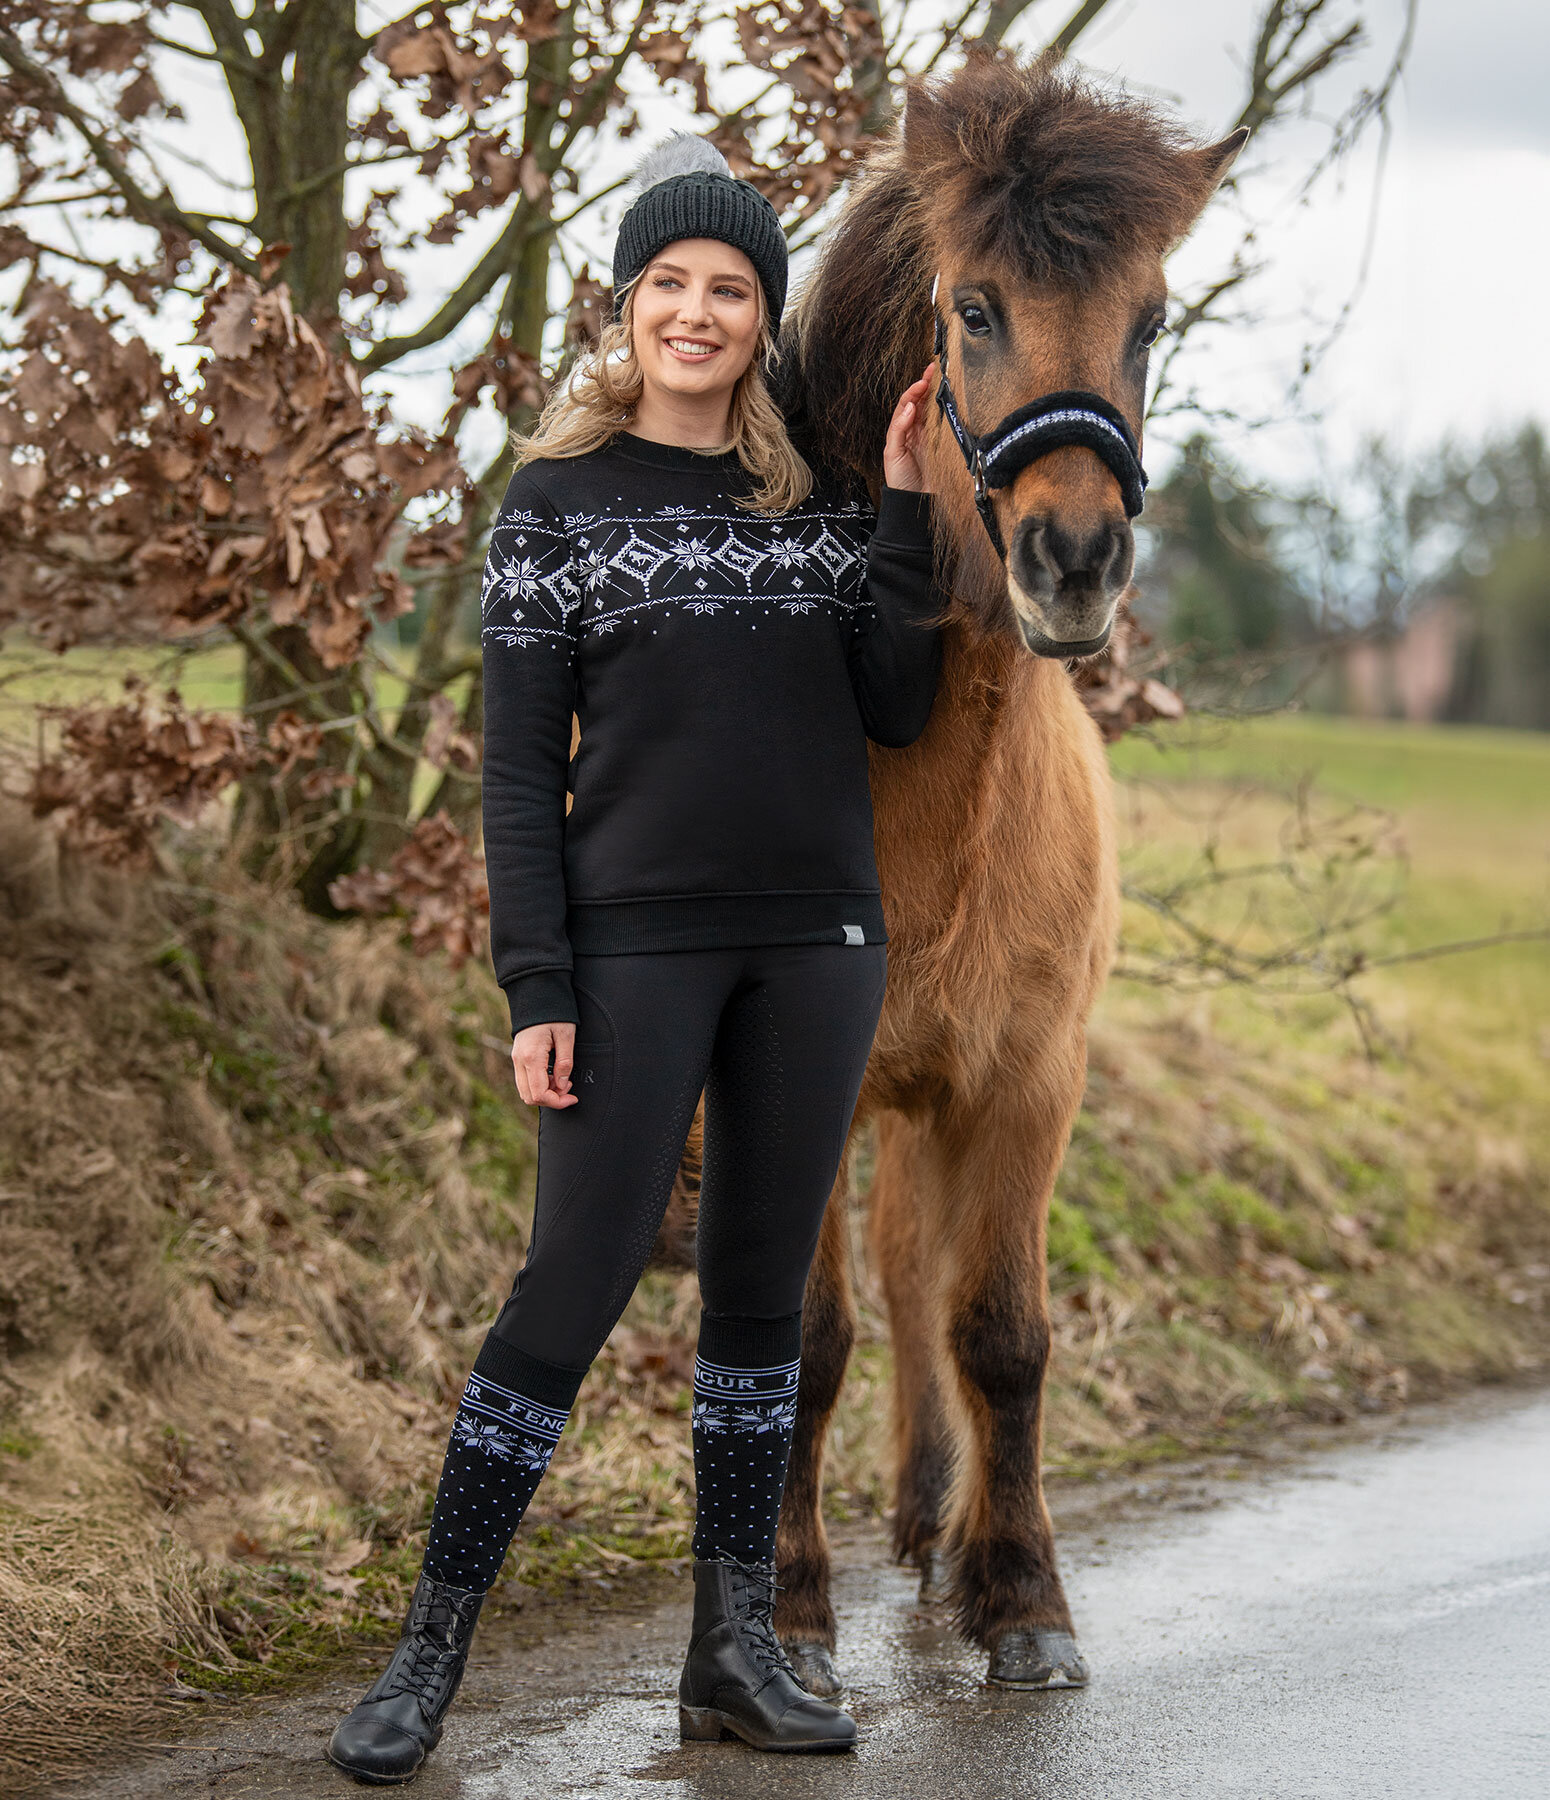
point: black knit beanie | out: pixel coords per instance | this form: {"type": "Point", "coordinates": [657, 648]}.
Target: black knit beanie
{"type": "Point", "coordinates": [686, 191]}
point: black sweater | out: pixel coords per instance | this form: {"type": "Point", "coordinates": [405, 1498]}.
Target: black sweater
{"type": "Point", "coordinates": [726, 667]}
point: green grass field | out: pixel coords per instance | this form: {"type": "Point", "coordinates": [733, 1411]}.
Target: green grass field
{"type": "Point", "coordinates": [1467, 837]}
{"type": "Point", "coordinates": [1467, 844]}
{"type": "Point", "coordinates": [1470, 812]}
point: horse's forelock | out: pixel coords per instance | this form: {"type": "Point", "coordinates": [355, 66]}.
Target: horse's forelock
{"type": "Point", "coordinates": [1034, 164]}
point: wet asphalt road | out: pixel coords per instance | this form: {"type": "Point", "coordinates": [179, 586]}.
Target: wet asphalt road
{"type": "Point", "coordinates": [1371, 1619]}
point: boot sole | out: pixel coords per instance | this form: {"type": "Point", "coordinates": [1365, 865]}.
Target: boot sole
{"type": "Point", "coordinates": [709, 1725]}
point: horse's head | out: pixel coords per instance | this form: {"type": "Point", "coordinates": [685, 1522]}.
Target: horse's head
{"type": "Point", "coordinates": [1019, 220]}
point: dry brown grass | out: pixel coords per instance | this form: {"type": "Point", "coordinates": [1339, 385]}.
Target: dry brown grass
{"type": "Point", "coordinates": [258, 1190]}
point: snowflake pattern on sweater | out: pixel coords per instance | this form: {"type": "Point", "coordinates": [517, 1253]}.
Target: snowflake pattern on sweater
{"type": "Point", "coordinates": [725, 669]}
{"type": "Point", "coordinates": [551, 581]}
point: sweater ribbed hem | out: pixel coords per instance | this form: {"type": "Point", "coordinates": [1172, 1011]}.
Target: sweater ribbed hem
{"type": "Point", "coordinates": [550, 1384]}
{"type": "Point", "coordinates": [723, 921]}
{"type": "Point", "coordinates": [740, 1342]}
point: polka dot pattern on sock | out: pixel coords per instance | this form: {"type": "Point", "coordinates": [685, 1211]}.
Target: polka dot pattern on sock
{"type": "Point", "coordinates": [742, 1426]}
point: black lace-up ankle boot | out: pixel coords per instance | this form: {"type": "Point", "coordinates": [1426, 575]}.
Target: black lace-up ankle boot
{"type": "Point", "coordinates": [389, 1734]}
{"type": "Point", "coordinates": [737, 1677]}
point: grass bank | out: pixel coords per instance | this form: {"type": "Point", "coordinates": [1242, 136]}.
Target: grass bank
{"type": "Point", "coordinates": [263, 1181]}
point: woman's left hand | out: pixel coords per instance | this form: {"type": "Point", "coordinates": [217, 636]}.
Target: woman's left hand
{"type": "Point", "coordinates": [902, 466]}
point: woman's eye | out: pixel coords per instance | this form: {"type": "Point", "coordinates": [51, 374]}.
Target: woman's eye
{"type": "Point", "coordinates": [974, 319]}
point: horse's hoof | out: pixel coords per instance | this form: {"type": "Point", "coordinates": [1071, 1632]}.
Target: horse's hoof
{"type": "Point", "coordinates": [815, 1669]}
{"type": "Point", "coordinates": [1037, 1658]}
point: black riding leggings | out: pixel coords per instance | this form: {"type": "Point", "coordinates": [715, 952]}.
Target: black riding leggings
{"type": "Point", "coordinates": [777, 1037]}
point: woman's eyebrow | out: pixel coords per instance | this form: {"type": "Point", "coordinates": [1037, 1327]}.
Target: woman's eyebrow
{"type": "Point", "coordinates": [679, 269]}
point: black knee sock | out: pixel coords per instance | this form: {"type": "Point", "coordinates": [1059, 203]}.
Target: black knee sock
{"type": "Point", "coordinates": [745, 1404]}
{"type": "Point", "coordinates": [508, 1422]}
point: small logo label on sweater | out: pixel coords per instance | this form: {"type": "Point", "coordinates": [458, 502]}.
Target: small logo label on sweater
{"type": "Point", "coordinates": [854, 935]}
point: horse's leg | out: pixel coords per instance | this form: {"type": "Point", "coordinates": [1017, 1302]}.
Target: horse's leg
{"type": "Point", "coordinates": [993, 1171]}
{"type": "Point", "coordinates": [804, 1614]}
{"type": "Point", "coordinates": [921, 1434]}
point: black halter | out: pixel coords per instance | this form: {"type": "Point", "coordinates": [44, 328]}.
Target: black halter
{"type": "Point", "coordinates": [1072, 416]}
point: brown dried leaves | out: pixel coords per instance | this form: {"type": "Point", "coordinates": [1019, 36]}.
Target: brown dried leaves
{"type": "Point", "coordinates": [129, 504]}
{"type": "Point", "coordinates": [435, 880]}
{"type": "Point", "coordinates": [1119, 693]}
{"type": "Point", "coordinates": [514, 373]}
{"type": "Point", "coordinates": [826, 55]}
{"type": "Point", "coordinates": [122, 769]}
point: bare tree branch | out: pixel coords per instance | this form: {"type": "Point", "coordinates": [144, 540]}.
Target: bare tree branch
{"type": "Point", "coordinates": [1076, 25]}
{"type": "Point", "coordinates": [1003, 15]}
{"type": "Point", "coordinates": [495, 263]}
{"type": "Point", "coordinates": [244, 64]}
{"type": "Point", "coordinates": [152, 209]}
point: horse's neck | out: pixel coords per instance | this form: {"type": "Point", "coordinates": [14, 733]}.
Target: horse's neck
{"type": "Point", "coordinates": [1007, 754]}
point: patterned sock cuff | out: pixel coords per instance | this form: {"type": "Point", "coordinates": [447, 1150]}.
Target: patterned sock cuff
{"type": "Point", "coordinates": [553, 1385]}
{"type": "Point", "coordinates": [731, 1341]}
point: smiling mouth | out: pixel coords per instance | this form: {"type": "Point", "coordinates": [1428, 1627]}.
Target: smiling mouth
{"type": "Point", "coordinates": [690, 349]}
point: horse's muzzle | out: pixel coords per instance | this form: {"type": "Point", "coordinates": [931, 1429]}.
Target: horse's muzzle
{"type": "Point", "coordinates": [1065, 584]}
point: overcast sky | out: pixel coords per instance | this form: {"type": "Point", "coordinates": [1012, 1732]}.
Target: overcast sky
{"type": "Point", "coordinates": [1441, 338]}
{"type": "Point", "coordinates": [1446, 335]}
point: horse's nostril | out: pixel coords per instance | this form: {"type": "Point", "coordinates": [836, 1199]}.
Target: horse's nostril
{"type": "Point", "coordinates": [1049, 555]}
{"type": "Point", "coordinates": [1085, 555]}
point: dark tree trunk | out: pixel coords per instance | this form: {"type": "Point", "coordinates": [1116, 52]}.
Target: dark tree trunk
{"type": "Point", "coordinates": [295, 115]}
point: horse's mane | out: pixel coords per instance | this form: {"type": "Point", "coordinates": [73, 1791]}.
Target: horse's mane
{"type": "Point", "coordinates": [1029, 164]}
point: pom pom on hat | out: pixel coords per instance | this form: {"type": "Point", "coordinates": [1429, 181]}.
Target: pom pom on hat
{"type": "Point", "coordinates": [681, 154]}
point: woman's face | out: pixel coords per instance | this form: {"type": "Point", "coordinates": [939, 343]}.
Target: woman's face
{"type": "Point", "coordinates": [695, 317]}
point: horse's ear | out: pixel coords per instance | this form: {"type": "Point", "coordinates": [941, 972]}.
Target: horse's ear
{"type": "Point", "coordinates": [1203, 172]}
{"type": "Point", "coordinates": [1212, 161]}
{"type": "Point", "coordinates": [919, 126]}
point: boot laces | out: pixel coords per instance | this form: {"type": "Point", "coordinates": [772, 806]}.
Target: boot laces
{"type": "Point", "coordinates": [424, 1658]}
{"type": "Point", "coordinates": [754, 1610]}
{"type": "Point", "coordinates": [421, 1669]}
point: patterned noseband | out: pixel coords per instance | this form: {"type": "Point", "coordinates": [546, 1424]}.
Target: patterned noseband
{"type": "Point", "coordinates": [1073, 416]}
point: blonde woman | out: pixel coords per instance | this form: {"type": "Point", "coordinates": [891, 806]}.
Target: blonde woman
{"type": "Point", "coordinates": [706, 917]}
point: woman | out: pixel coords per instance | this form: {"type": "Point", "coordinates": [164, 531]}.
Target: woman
{"type": "Point", "coordinates": [707, 917]}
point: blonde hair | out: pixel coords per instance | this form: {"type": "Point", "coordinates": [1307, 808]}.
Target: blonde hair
{"type": "Point", "coordinates": [602, 390]}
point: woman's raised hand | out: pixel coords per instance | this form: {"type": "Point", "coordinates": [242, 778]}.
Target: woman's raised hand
{"type": "Point", "coordinates": [902, 467]}
{"type": "Point", "coordinates": [530, 1058]}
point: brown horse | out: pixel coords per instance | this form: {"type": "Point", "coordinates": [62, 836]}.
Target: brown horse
{"type": "Point", "coordinates": [1034, 213]}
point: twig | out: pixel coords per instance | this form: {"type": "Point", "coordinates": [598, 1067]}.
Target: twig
{"type": "Point", "coordinates": [151, 209]}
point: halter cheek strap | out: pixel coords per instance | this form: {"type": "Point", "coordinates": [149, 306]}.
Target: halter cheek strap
{"type": "Point", "coordinates": [1053, 421]}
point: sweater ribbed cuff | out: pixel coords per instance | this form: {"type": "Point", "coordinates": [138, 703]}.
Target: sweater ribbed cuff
{"type": "Point", "coordinates": [904, 518]}
{"type": "Point", "coordinates": [545, 997]}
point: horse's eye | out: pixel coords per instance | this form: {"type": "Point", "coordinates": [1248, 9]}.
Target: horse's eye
{"type": "Point", "coordinates": [1151, 333]}
{"type": "Point", "coordinates": [974, 320]}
